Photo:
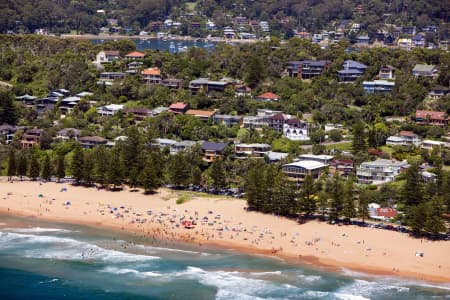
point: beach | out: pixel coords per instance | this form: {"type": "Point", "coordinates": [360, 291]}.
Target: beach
{"type": "Point", "coordinates": [224, 222]}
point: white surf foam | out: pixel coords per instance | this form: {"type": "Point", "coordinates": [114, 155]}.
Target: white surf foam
{"type": "Point", "coordinates": [36, 230]}
{"type": "Point", "coordinates": [233, 283]}
{"type": "Point", "coordinates": [366, 289]}
{"type": "Point", "coordinates": [120, 271]}
{"type": "Point", "coordinates": [51, 247]}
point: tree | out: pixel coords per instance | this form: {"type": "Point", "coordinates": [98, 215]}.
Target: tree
{"type": "Point", "coordinates": [149, 176]}
{"type": "Point", "coordinates": [434, 223]}
{"type": "Point", "coordinates": [60, 167]}
{"type": "Point", "coordinates": [101, 158]}
{"type": "Point", "coordinates": [412, 192]}
{"type": "Point", "coordinates": [363, 205]}
{"type": "Point", "coordinates": [8, 111]}
{"type": "Point", "coordinates": [307, 196]}
{"type": "Point", "coordinates": [23, 166]}
{"type": "Point", "coordinates": [115, 170]}
{"type": "Point", "coordinates": [284, 196]}
{"type": "Point", "coordinates": [35, 168]}
{"type": "Point", "coordinates": [178, 169]}
{"type": "Point", "coordinates": [217, 173]}
{"type": "Point", "coordinates": [46, 172]}
{"type": "Point", "coordinates": [12, 166]}
{"type": "Point", "coordinates": [349, 203]}
{"type": "Point", "coordinates": [416, 218]}
{"type": "Point", "coordinates": [359, 138]}
{"type": "Point", "coordinates": [88, 168]}
{"type": "Point", "coordinates": [336, 194]}
{"type": "Point", "coordinates": [77, 163]}
{"type": "Point", "coordinates": [255, 185]}
{"type": "Point", "coordinates": [254, 70]}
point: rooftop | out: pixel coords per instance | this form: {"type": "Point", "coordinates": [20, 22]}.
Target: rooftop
{"type": "Point", "coordinates": [307, 164]}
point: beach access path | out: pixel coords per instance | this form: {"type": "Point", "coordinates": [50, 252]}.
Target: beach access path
{"type": "Point", "coordinates": [224, 222]}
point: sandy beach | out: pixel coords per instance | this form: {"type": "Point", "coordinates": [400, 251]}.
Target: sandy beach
{"type": "Point", "coordinates": [224, 222]}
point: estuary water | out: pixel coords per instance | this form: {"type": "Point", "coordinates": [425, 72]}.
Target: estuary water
{"type": "Point", "coordinates": [174, 46]}
{"type": "Point", "coordinates": [42, 260]}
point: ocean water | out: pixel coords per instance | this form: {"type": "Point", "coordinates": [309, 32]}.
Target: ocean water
{"type": "Point", "coordinates": [41, 260]}
{"type": "Point", "coordinates": [173, 46]}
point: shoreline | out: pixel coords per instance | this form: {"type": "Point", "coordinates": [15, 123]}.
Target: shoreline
{"type": "Point", "coordinates": [152, 37]}
{"type": "Point", "coordinates": [235, 229]}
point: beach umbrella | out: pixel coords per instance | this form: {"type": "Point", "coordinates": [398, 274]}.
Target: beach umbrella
{"type": "Point", "coordinates": [68, 203]}
{"type": "Point", "coordinates": [40, 195]}
{"type": "Point", "coordinates": [63, 189]}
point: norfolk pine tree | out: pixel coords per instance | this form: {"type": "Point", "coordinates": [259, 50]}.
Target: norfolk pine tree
{"type": "Point", "coordinates": [12, 165]}
{"type": "Point", "coordinates": [77, 163]}
{"type": "Point", "coordinates": [46, 172]}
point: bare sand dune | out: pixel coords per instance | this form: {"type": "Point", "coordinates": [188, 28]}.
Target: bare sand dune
{"type": "Point", "coordinates": [224, 222]}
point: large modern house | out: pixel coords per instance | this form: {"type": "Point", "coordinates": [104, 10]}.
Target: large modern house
{"type": "Point", "coordinates": [306, 69]}
{"type": "Point", "coordinates": [378, 86]}
{"type": "Point", "coordinates": [297, 171]}
{"type": "Point", "coordinates": [380, 171]}
{"type": "Point", "coordinates": [207, 85]}
{"type": "Point", "coordinates": [404, 138]}
{"type": "Point", "coordinates": [425, 70]}
{"type": "Point", "coordinates": [351, 71]}
{"type": "Point", "coordinates": [428, 117]}
{"type": "Point", "coordinates": [251, 150]}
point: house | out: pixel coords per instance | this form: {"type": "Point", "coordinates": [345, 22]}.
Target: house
{"type": "Point", "coordinates": [297, 171]}
{"type": "Point", "coordinates": [107, 56]}
{"type": "Point", "coordinates": [306, 69]}
{"type": "Point", "coordinates": [296, 130]}
{"type": "Point", "coordinates": [342, 166]}
{"type": "Point", "coordinates": [31, 138]}
{"type": "Point", "coordinates": [158, 110]}
{"type": "Point", "coordinates": [68, 134]}
{"type": "Point", "coordinates": [385, 213]}
{"type": "Point", "coordinates": [212, 150]}
{"type": "Point", "coordinates": [404, 43]}
{"type": "Point", "coordinates": [380, 171]}
{"type": "Point", "coordinates": [302, 35]}
{"type": "Point", "coordinates": [363, 40]}
{"type": "Point", "coordinates": [435, 118]}
{"type": "Point", "coordinates": [277, 121]}
{"type": "Point", "coordinates": [425, 70]}
{"type": "Point", "coordinates": [438, 92]}
{"type": "Point", "coordinates": [152, 75]}
{"type": "Point", "coordinates": [244, 151]}
{"type": "Point", "coordinates": [229, 33]}
{"type": "Point", "coordinates": [134, 65]}
{"type": "Point", "coordinates": [172, 83]}
{"type": "Point", "coordinates": [322, 158]}
{"type": "Point", "coordinates": [26, 99]}
{"type": "Point", "coordinates": [242, 91]}
{"type": "Point", "coordinates": [7, 133]}
{"type": "Point", "coordinates": [164, 143]}
{"type": "Point", "coordinates": [88, 142]}
{"type": "Point", "coordinates": [427, 176]}
{"type": "Point", "coordinates": [404, 138]}
{"type": "Point", "coordinates": [255, 122]}
{"type": "Point", "coordinates": [46, 104]}
{"type": "Point", "coordinates": [203, 115]}
{"type": "Point", "coordinates": [207, 85]}
{"type": "Point", "coordinates": [111, 76]}
{"type": "Point", "coordinates": [178, 108]}
{"type": "Point", "coordinates": [139, 113]}
{"type": "Point", "coordinates": [273, 156]}
{"type": "Point", "coordinates": [378, 86]}
{"type": "Point", "coordinates": [181, 146]}
{"type": "Point", "coordinates": [67, 104]}
{"type": "Point", "coordinates": [227, 120]}
{"type": "Point", "coordinates": [429, 144]}
{"type": "Point", "coordinates": [135, 55]}
{"type": "Point", "coordinates": [268, 97]}
{"type": "Point", "coordinates": [109, 110]}
{"type": "Point", "coordinates": [387, 72]}
{"type": "Point", "coordinates": [419, 40]}
{"type": "Point", "coordinates": [351, 71]}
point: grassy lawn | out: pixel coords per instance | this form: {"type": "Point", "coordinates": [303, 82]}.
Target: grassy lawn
{"type": "Point", "coordinates": [341, 147]}
{"type": "Point", "coordinates": [387, 149]}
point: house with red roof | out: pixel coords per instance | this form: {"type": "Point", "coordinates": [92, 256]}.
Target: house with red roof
{"type": "Point", "coordinates": [178, 108]}
{"type": "Point", "coordinates": [268, 97]}
{"type": "Point", "coordinates": [152, 75]}
{"type": "Point", "coordinates": [135, 55]}
{"type": "Point", "coordinates": [386, 212]}
{"type": "Point", "coordinates": [428, 117]}
{"type": "Point", "coordinates": [203, 115]}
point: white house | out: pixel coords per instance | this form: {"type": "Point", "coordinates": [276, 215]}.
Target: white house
{"type": "Point", "coordinates": [404, 138]}
{"type": "Point", "coordinates": [380, 171]}
{"type": "Point", "coordinates": [106, 56]}
{"type": "Point", "coordinates": [109, 110]}
{"type": "Point", "coordinates": [297, 171]}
